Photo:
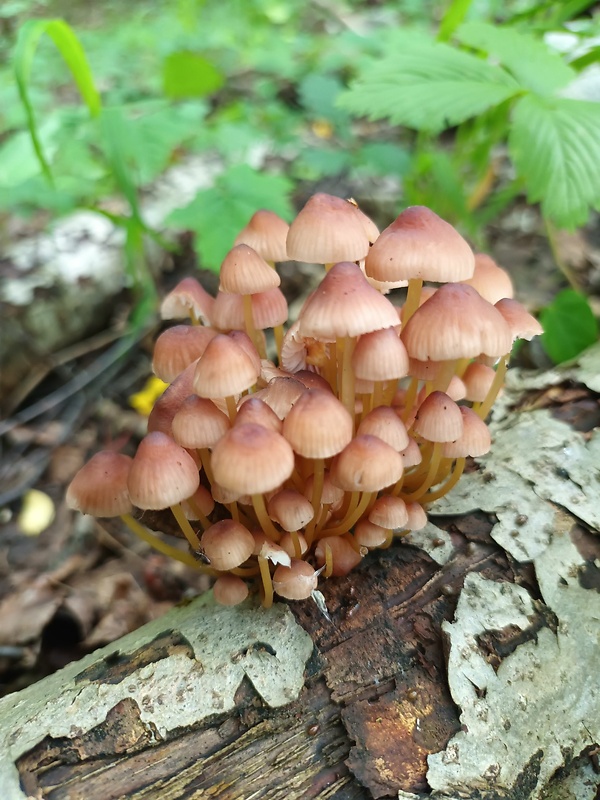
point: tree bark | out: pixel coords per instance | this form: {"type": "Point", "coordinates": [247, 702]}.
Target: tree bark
{"type": "Point", "coordinates": [461, 662]}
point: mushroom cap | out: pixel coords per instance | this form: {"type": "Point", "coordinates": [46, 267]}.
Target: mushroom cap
{"type": "Point", "coordinates": [456, 322]}
{"type": "Point", "coordinates": [491, 281]}
{"type": "Point", "coordinates": [177, 347]}
{"type": "Point", "coordinates": [269, 309]}
{"type": "Point", "coordinates": [345, 304]}
{"type": "Point", "coordinates": [419, 244]}
{"type": "Point", "coordinates": [227, 544]}
{"type": "Point", "coordinates": [281, 394]}
{"type": "Point", "coordinates": [171, 400]}
{"type": "Point", "coordinates": [344, 556]}
{"type": "Point", "coordinates": [417, 517]}
{"type": "Point", "coordinates": [230, 590]}
{"type": "Point", "coordinates": [521, 323]}
{"type": "Point", "coordinates": [250, 459]}
{"type": "Point", "coordinates": [266, 233]}
{"type": "Point", "coordinates": [296, 582]}
{"type": "Point", "coordinates": [162, 473]}
{"type": "Point", "coordinates": [224, 369]}
{"type": "Point", "coordinates": [100, 486]}
{"type": "Point", "coordinates": [411, 455]}
{"type": "Point", "coordinates": [438, 419]}
{"type": "Point", "coordinates": [243, 271]}
{"type": "Point", "coordinates": [256, 411]}
{"type": "Point", "coordinates": [367, 464]}
{"type": "Point", "coordinates": [188, 297]}
{"type": "Point", "coordinates": [478, 379]}
{"type": "Point", "coordinates": [389, 512]}
{"type": "Point", "coordinates": [199, 423]}
{"type": "Point", "coordinates": [380, 356]}
{"type": "Point", "coordinates": [290, 509]}
{"type": "Point", "coordinates": [475, 439]}
{"type": "Point", "coordinates": [327, 230]}
{"type": "Point", "coordinates": [318, 425]}
{"type": "Point", "coordinates": [368, 534]}
{"type": "Point", "coordinates": [384, 423]}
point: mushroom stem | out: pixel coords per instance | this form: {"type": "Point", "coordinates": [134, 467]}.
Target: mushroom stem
{"type": "Point", "coordinates": [250, 328]}
{"type": "Point", "coordinates": [409, 398]}
{"type": "Point", "coordinates": [296, 543]}
{"type": "Point", "coordinates": [443, 377]}
{"type": "Point", "coordinates": [278, 334]}
{"type": "Point", "coordinates": [317, 493]}
{"type": "Point", "coordinates": [186, 528]}
{"type": "Point", "coordinates": [204, 454]}
{"type": "Point", "coordinates": [328, 562]}
{"type": "Point", "coordinates": [265, 522]}
{"type": "Point", "coordinates": [267, 582]}
{"type": "Point", "coordinates": [412, 299]}
{"type": "Point", "coordinates": [347, 345]}
{"type": "Point", "coordinates": [199, 514]}
{"type": "Point", "coordinates": [455, 475]}
{"type": "Point", "coordinates": [353, 514]}
{"type": "Point", "coordinates": [231, 408]}
{"type": "Point", "coordinates": [434, 463]}
{"type": "Point", "coordinates": [162, 547]}
{"type": "Point", "coordinates": [486, 406]}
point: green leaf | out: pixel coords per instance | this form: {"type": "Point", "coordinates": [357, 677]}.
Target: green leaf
{"type": "Point", "coordinates": [73, 55]}
{"type": "Point", "coordinates": [429, 86]}
{"type": "Point", "coordinates": [528, 58]}
{"type": "Point", "coordinates": [188, 74]}
{"type": "Point", "coordinates": [217, 215]}
{"type": "Point", "coordinates": [452, 18]}
{"type": "Point", "coordinates": [569, 326]}
{"type": "Point", "coordinates": [318, 95]}
{"type": "Point", "coordinates": [384, 158]}
{"type": "Point", "coordinates": [315, 162]}
{"type": "Point", "coordinates": [556, 148]}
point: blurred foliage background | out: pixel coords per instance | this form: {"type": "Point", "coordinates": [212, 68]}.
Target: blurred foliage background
{"type": "Point", "coordinates": [463, 105]}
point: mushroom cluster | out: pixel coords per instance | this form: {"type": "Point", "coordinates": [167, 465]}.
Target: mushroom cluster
{"type": "Point", "coordinates": [278, 473]}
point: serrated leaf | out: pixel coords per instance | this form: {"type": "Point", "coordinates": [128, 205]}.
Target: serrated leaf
{"type": "Point", "coordinates": [455, 14]}
{"type": "Point", "coordinates": [216, 215]}
{"type": "Point", "coordinates": [555, 145]}
{"type": "Point", "coordinates": [569, 326]}
{"type": "Point", "coordinates": [189, 74]}
{"type": "Point", "coordinates": [528, 58]}
{"type": "Point", "coordinates": [428, 86]}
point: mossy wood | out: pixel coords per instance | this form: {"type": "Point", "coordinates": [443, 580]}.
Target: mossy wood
{"type": "Point", "coordinates": [461, 662]}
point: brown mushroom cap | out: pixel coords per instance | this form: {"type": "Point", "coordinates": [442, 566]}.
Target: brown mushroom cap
{"type": "Point", "coordinates": [199, 423]}
{"type": "Point", "coordinates": [318, 425]}
{"type": "Point", "coordinates": [243, 271]}
{"type": "Point", "coordinates": [225, 369]}
{"type": "Point", "coordinates": [290, 509]}
{"type": "Point", "coordinates": [345, 305]}
{"type": "Point", "coordinates": [419, 244]}
{"type": "Point", "coordinates": [162, 473]}
{"type": "Point", "coordinates": [384, 423]}
{"type": "Point", "coordinates": [380, 356]}
{"type": "Point", "coordinates": [344, 556]}
{"type": "Point", "coordinates": [521, 323]}
{"type": "Point", "coordinates": [230, 590]}
{"type": "Point", "coordinates": [491, 281]}
{"type": "Point", "coordinates": [438, 419]}
{"type": "Point", "coordinates": [100, 486]}
{"type": "Point", "coordinates": [227, 544]}
{"type": "Point", "coordinates": [389, 512]}
{"type": "Point", "coordinates": [296, 582]}
{"type": "Point", "coordinates": [188, 296]}
{"type": "Point", "coordinates": [475, 439]}
{"type": "Point", "coordinates": [266, 233]}
{"type": "Point", "coordinates": [367, 464]}
{"type": "Point", "coordinates": [456, 322]}
{"type": "Point", "coordinates": [250, 459]}
{"type": "Point", "coordinates": [327, 230]}
{"type": "Point", "coordinates": [176, 348]}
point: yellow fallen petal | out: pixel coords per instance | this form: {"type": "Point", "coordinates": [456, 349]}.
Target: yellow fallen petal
{"type": "Point", "coordinates": [37, 513]}
{"type": "Point", "coordinates": [143, 401]}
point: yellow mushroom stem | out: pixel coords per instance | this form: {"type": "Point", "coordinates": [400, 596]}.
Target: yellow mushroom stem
{"type": "Point", "coordinates": [200, 515]}
{"type": "Point", "coordinates": [354, 513]}
{"type": "Point", "coordinates": [250, 327]}
{"type": "Point", "coordinates": [265, 522]}
{"type": "Point", "coordinates": [347, 393]}
{"type": "Point", "coordinates": [296, 543]}
{"type": "Point", "coordinates": [389, 537]}
{"type": "Point", "coordinates": [267, 582]}
{"type": "Point", "coordinates": [443, 376]}
{"type": "Point", "coordinates": [378, 394]}
{"type": "Point", "coordinates": [367, 403]}
{"type": "Point", "coordinates": [436, 454]}
{"type": "Point", "coordinates": [193, 317]}
{"type": "Point", "coordinates": [187, 530]}
{"type": "Point", "coordinates": [278, 334]}
{"type": "Point", "coordinates": [455, 475]}
{"type": "Point", "coordinates": [413, 297]}
{"type": "Point", "coordinates": [162, 547]}
{"type": "Point", "coordinates": [317, 493]}
{"type": "Point", "coordinates": [328, 561]}
{"type": "Point", "coordinates": [231, 408]}
{"type": "Point", "coordinates": [483, 409]}
{"type": "Point", "coordinates": [322, 516]}
{"type": "Point", "coordinates": [409, 398]}
{"type": "Point", "coordinates": [204, 454]}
